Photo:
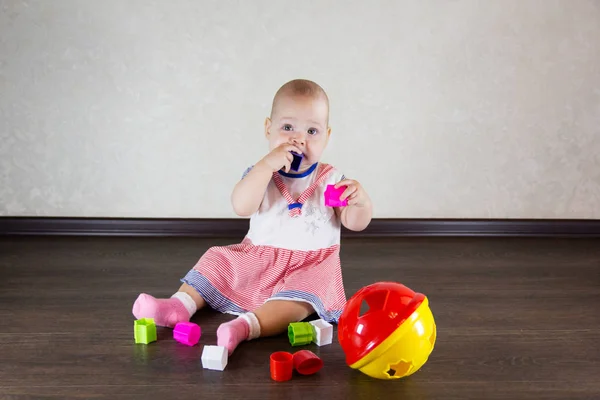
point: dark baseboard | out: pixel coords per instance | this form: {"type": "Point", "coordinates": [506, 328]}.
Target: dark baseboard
{"type": "Point", "coordinates": [238, 227]}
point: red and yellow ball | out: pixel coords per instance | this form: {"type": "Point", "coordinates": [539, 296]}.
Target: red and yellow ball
{"type": "Point", "coordinates": [394, 337]}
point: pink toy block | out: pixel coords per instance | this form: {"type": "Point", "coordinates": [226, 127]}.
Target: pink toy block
{"type": "Point", "coordinates": [187, 333]}
{"type": "Point", "coordinates": [332, 196]}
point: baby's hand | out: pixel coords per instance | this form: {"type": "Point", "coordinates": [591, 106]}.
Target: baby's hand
{"type": "Point", "coordinates": [356, 195]}
{"type": "Point", "coordinates": [280, 157]}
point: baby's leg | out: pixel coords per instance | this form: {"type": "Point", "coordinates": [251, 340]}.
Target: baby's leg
{"type": "Point", "coordinates": [168, 312]}
{"type": "Point", "coordinates": [272, 318]}
{"type": "Point", "coordinates": [275, 316]}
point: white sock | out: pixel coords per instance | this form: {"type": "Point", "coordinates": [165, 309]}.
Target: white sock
{"type": "Point", "coordinates": [254, 330]}
{"type": "Point", "coordinates": [187, 301]}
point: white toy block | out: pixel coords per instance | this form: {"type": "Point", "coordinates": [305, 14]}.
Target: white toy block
{"type": "Point", "coordinates": [323, 332]}
{"type": "Point", "coordinates": [214, 357]}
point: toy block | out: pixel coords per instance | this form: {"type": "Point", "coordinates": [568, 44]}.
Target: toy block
{"type": "Point", "coordinates": [323, 332]}
{"type": "Point", "coordinates": [300, 333]}
{"type": "Point", "coordinates": [306, 362]}
{"type": "Point", "coordinates": [332, 196]}
{"type": "Point", "coordinates": [144, 330]}
{"type": "Point", "coordinates": [187, 333]}
{"type": "Point", "coordinates": [282, 366]}
{"type": "Point", "coordinates": [214, 357]}
{"type": "Point", "coordinates": [295, 166]}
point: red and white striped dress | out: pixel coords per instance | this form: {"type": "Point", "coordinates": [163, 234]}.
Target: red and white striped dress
{"type": "Point", "coordinates": [291, 251]}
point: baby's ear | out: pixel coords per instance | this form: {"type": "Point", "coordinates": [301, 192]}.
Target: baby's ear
{"type": "Point", "coordinates": [267, 127]}
{"type": "Point", "coordinates": [328, 133]}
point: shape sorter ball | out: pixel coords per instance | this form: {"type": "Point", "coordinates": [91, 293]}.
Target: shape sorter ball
{"type": "Point", "coordinates": [394, 337]}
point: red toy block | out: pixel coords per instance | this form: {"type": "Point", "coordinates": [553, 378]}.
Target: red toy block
{"type": "Point", "coordinates": [307, 363]}
{"type": "Point", "coordinates": [282, 366]}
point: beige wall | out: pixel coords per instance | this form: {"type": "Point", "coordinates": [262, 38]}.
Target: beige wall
{"type": "Point", "coordinates": [477, 109]}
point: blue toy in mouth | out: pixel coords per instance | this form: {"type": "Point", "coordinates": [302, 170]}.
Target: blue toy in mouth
{"type": "Point", "coordinates": [296, 162]}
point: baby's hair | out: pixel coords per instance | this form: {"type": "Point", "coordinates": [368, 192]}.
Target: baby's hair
{"type": "Point", "coordinates": [300, 87]}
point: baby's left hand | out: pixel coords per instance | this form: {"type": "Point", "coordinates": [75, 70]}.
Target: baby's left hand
{"type": "Point", "coordinates": [356, 195]}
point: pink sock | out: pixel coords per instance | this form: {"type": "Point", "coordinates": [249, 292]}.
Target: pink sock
{"type": "Point", "coordinates": [166, 312]}
{"type": "Point", "coordinates": [232, 333]}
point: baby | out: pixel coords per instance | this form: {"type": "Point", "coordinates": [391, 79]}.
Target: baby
{"type": "Point", "coordinates": [288, 265]}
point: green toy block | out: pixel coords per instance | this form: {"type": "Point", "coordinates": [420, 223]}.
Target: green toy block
{"type": "Point", "coordinates": [300, 333]}
{"type": "Point", "coordinates": [144, 330]}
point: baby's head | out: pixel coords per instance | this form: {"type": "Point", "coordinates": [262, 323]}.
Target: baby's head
{"type": "Point", "coordinates": [300, 115]}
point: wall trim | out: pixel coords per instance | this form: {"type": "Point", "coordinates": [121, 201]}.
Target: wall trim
{"type": "Point", "coordinates": [237, 227]}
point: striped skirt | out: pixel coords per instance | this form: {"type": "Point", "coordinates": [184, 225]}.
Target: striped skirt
{"type": "Point", "coordinates": [239, 278]}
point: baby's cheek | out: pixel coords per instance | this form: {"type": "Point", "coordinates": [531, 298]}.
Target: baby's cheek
{"type": "Point", "coordinates": [276, 142]}
{"type": "Point", "coordinates": [314, 153]}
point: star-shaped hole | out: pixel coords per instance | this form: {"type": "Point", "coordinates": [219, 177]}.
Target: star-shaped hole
{"type": "Point", "coordinates": [400, 369]}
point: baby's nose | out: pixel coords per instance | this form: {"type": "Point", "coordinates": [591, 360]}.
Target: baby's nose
{"type": "Point", "coordinates": [298, 139]}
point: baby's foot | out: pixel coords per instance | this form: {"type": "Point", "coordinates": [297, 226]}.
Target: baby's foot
{"type": "Point", "coordinates": [166, 312]}
{"type": "Point", "coordinates": [232, 333]}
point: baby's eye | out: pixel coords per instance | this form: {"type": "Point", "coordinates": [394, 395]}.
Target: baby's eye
{"type": "Point", "coordinates": [312, 131]}
{"type": "Point", "coordinates": [287, 127]}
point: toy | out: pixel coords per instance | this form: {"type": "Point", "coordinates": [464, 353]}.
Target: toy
{"type": "Point", "coordinates": [295, 166]}
{"type": "Point", "coordinates": [394, 337]}
{"type": "Point", "coordinates": [319, 332]}
{"type": "Point", "coordinates": [323, 332]}
{"type": "Point", "coordinates": [307, 363]}
{"type": "Point", "coordinates": [282, 365]}
{"type": "Point", "coordinates": [214, 357]}
{"type": "Point", "coordinates": [332, 196]}
{"type": "Point", "coordinates": [300, 333]}
{"type": "Point", "coordinates": [187, 333]}
{"type": "Point", "coordinates": [144, 330]}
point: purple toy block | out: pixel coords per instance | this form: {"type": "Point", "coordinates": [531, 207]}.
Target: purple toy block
{"type": "Point", "coordinates": [187, 333]}
{"type": "Point", "coordinates": [332, 196]}
{"type": "Point", "coordinates": [297, 161]}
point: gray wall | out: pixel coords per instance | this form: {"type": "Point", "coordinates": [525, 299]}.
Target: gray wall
{"type": "Point", "coordinates": [440, 108]}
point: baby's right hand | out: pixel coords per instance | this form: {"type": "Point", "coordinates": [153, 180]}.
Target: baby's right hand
{"type": "Point", "coordinates": [281, 157]}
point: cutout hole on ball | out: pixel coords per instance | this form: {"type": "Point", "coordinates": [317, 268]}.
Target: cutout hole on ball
{"type": "Point", "coordinates": [433, 336]}
{"type": "Point", "coordinates": [364, 308]}
{"type": "Point", "coordinates": [400, 369]}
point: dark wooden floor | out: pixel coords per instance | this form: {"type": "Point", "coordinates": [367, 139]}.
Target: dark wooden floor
{"type": "Point", "coordinates": [517, 318]}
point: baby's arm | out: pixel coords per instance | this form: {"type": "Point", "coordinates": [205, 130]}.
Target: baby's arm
{"type": "Point", "coordinates": [248, 193]}
{"type": "Point", "coordinates": [357, 215]}
{"type": "Point", "coordinates": [356, 218]}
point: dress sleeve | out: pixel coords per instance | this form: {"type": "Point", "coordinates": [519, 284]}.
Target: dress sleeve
{"type": "Point", "coordinates": [336, 176]}
{"type": "Point", "coordinates": [246, 171]}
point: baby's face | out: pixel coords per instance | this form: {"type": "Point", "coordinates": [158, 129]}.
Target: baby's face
{"type": "Point", "coordinates": [302, 121]}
